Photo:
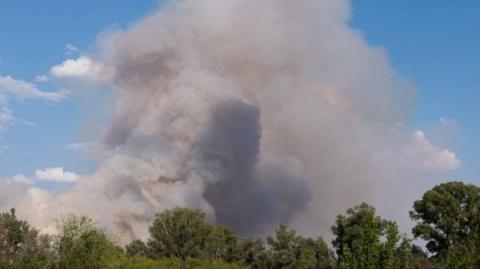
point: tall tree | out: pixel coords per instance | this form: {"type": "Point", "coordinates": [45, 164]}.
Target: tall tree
{"type": "Point", "coordinates": [79, 244]}
{"type": "Point", "coordinates": [137, 248]}
{"type": "Point", "coordinates": [366, 241]}
{"type": "Point", "coordinates": [293, 251]}
{"type": "Point", "coordinates": [13, 233]}
{"type": "Point", "coordinates": [448, 218]}
{"type": "Point", "coordinates": [180, 232]}
{"type": "Point", "coordinates": [186, 233]}
{"type": "Point", "coordinates": [21, 246]}
{"type": "Point", "coordinates": [223, 244]}
{"type": "Point", "coordinates": [283, 246]}
{"type": "Point", "coordinates": [253, 253]}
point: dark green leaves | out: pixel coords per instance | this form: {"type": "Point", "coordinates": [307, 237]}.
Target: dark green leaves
{"type": "Point", "coordinates": [448, 219]}
{"type": "Point", "coordinates": [365, 241]}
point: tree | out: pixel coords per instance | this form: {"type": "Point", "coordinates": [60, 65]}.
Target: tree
{"type": "Point", "coordinates": [36, 252]}
{"type": "Point", "coordinates": [21, 246]}
{"type": "Point", "coordinates": [13, 233]}
{"type": "Point", "coordinates": [186, 233]}
{"type": "Point", "coordinates": [79, 244]}
{"type": "Point", "coordinates": [292, 251]}
{"type": "Point", "coordinates": [137, 248]}
{"type": "Point", "coordinates": [465, 255]}
{"type": "Point", "coordinates": [448, 218]}
{"type": "Point", "coordinates": [366, 241]}
{"type": "Point", "coordinates": [418, 258]}
{"type": "Point", "coordinates": [140, 262]}
{"type": "Point", "coordinates": [308, 248]}
{"type": "Point", "coordinates": [222, 243]}
{"type": "Point", "coordinates": [253, 253]}
{"type": "Point", "coordinates": [180, 232]}
{"type": "Point", "coordinates": [283, 245]}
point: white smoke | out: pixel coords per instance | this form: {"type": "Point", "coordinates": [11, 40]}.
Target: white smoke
{"type": "Point", "coordinates": [258, 112]}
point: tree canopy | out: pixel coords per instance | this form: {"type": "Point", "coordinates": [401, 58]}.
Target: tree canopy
{"type": "Point", "coordinates": [78, 242]}
{"type": "Point", "coordinates": [366, 241]}
{"type": "Point", "coordinates": [20, 245]}
{"type": "Point", "coordinates": [447, 219]}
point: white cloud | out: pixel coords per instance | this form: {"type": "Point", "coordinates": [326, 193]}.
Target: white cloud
{"type": "Point", "coordinates": [431, 156]}
{"type": "Point", "coordinates": [56, 174]}
{"type": "Point", "coordinates": [22, 90]}
{"type": "Point", "coordinates": [416, 153]}
{"type": "Point", "coordinates": [41, 78]}
{"type": "Point", "coordinates": [82, 68]}
{"type": "Point", "coordinates": [83, 147]}
{"type": "Point", "coordinates": [71, 49]}
{"type": "Point", "coordinates": [23, 179]}
{"type": "Point", "coordinates": [448, 122]}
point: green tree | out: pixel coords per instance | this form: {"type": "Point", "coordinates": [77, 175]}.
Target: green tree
{"type": "Point", "coordinates": [137, 248]}
{"type": "Point", "coordinates": [21, 246]}
{"type": "Point", "coordinates": [292, 251]}
{"type": "Point", "coordinates": [36, 252]}
{"type": "Point", "coordinates": [465, 255]}
{"type": "Point", "coordinates": [448, 218]}
{"type": "Point", "coordinates": [253, 253]}
{"type": "Point", "coordinates": [180, 232]}
{"type": "Point", "coordinates": [366, 241]}
{"type": "Point", "coordinates": [321, 252]}
{"type": "Point", "coordinates": [140, 262]}
{"type": "Point", "coordinates": [222, 243]}
{"type": "Point", "coordinates": [418, 259]}
{"type": "Point", "coordinates": [13, 233]}
{"type": "Point", "coordinates": [79, 244]}
{"type": "Point", "coordinates": [186, 233]}
{"type": "Point", "coordinates": [283, 246]}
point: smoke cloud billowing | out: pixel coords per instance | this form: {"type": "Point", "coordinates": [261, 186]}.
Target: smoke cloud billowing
{"type": "Point", "coordinates": [257, 112]}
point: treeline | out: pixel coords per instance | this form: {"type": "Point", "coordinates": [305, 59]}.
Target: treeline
{"type": "Point", "coordinates": [447, 216]}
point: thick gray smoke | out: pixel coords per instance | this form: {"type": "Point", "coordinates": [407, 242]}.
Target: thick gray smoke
{"type": "Point", "coordinates": [257, 112]}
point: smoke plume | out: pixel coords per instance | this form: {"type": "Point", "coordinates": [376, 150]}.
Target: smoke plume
{"type": "Point", "coordinates": [257, 112]}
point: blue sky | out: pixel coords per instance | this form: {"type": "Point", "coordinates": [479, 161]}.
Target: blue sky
{"type": "Point", "coordinates": [437, 45]}
{"type": "Point", "coordinates": [433, 43]}
{"type": "Point", "coordinates": [33, 38]}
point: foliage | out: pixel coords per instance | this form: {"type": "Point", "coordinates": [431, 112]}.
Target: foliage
{"type": "Point", "coordinates": [21, 246]}
{"type": "Point", "coordinates": [79, 243]}
{"type": "Point", "coordinates": [292, 251]}
{"type": "Point", "coordinates": [418, 258]}
{"type": "Point", "coordinates": [366, 241]}
{"type": "Point", "coordinates": [448, 218]}
{"type": "Point", "coordinates": [185, 233]}
{"type": "Point", "coordinates": [137, 248]}
{"type": "Point", "coordinates": [13, 233]}
{"type": "Point", "coordinates": [253, 253]}
{"type": "Point", "coordinates": [139, 262]}
{"type": "Point", "coordinates": [222, 243]}
{"type": "Point", "coordinates": [179, 233]}
{"type": "Point", "coordinates": [464, 256]}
